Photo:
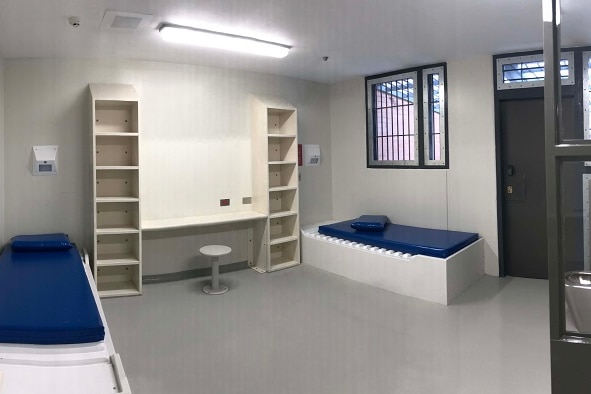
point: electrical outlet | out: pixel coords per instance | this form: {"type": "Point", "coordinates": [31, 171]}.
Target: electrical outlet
{"type": "Point", "coordinates": [224, 202]}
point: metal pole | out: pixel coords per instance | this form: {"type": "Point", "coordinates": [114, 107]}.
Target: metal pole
{"type": "Point", "coordinates": [215, 273]}
{"type": "Point", "coordinates": [552, 116]}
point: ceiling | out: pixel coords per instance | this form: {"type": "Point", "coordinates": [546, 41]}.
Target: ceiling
{"type": "Point", "coordinates": [360, 37]}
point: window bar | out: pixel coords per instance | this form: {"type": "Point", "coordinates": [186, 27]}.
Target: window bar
{"type": "Point", "coordinates": [380, 124]}
{"type": "Point", "coordinates": [436, 130]}
{"type": "Point", "coordinates": [392, 137]}
{"type": "Point", "coordinates": [402, 119]}
{"type": "Point", "coordinates": [411, 136]}
{"type": "Point", "coordinates": [375, 109]}
{"type": "Point", "coordinates": [380, 130]}
{"type": "Point", "coordinates": [388, 120]}
{"type": "Point", "coordinates": [408, 118]}
{"type": "Point", "coordinates": [407, 128]}
{"type": "Point", "coordinates": [383, 130]}
{"type": "Point", "coordinates": [436, 119]}
{"type": "Point", "coordinates": [399, 146]}
{"type": "Point", "coordinates": [392, 153]}
{"type": "Point", "coordinates": [389, 142]}
{"type": "Point", "coordinates": [434, 88]}
{"type": "Point", "coordinates": [430, 108]}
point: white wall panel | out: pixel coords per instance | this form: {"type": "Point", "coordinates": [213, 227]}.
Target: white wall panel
{"type": "Point", "coordinates": [472, 175]}
{"type": "Point", "coordinates": [462, 198]}
{"type": "Point", "coordinates": [195, 139]}
{"type": "Point", "coordinates": [410, 197]}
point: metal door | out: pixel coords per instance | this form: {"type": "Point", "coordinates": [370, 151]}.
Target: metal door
{"type": "Point", "coordinates": [525, 245]}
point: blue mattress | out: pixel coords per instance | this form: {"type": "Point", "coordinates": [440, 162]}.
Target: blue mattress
{"type": "Point", "coordinates": [45, 299]}
{"type": "Point", "coordinates": [406, 239]}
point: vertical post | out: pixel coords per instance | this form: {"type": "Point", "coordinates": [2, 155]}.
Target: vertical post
{"type": "Point", "coordinates": [552, 117]}
{"type": "Point", "coordinates": [569, 353]}
{"type": "Point", "coordinates": [215, 273]}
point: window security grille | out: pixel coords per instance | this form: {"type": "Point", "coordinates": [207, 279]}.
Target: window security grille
{"type": "Point", "coordinates": [392, 117]}
{"type": "Point", "coordinates": [528, 71]}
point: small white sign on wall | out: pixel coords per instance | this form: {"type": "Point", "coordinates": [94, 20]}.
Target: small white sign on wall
{"type": "Point", "coordinates": [311, 155]}
{"type": "Point", "coordinates": [45, 160]}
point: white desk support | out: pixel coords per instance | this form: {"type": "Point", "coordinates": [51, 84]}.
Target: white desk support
{"type": "Point", "coordinates": [215, 251]}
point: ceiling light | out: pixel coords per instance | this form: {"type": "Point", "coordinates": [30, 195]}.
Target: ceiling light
{"type": "Point", "coordinates": [213, 39]}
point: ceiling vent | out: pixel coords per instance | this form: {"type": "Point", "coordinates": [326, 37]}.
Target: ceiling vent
{"type": "Point", "coordinates": [125, 21]}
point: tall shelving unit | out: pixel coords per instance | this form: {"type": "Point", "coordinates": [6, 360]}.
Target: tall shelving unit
{"type": "Point", "coordinates": [116, 222]}
{"type": "Point", "coordinates": [275, 183]}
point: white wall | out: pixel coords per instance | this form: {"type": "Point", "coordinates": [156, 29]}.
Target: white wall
{"type": "Point", "coordinates": [2, 161]}
{"type": "Point", "coordinates": [472, 202]}
{"type": "Point", "coordinates": [462, 198]}
{"type": "Point", "coordinates": [195, 139]}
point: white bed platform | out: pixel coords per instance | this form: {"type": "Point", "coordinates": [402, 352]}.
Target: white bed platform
{"type": "Point", "coordinates": [92, 368]}
{"type": "Point", "coordinates": [428, 278]}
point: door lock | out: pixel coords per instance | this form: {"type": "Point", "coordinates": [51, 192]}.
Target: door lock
{"type": "Point", "coordinates": [510, 170]}
{"type": "Point", "coordinates": [509, 189]}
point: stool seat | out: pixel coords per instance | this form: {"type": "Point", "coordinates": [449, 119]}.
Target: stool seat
{"type": "Point", "coordinates": [215, 251]}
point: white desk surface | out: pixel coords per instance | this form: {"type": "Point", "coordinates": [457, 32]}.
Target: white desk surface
{"type": "Point", "coordinates": [205, 220]}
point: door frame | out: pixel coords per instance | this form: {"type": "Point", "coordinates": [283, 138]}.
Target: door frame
{"type": "Point", "coordinates": [575, 91]}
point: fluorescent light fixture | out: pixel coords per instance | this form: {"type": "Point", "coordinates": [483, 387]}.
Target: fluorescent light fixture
{"type": "Point", "coordinates": [213, 39]}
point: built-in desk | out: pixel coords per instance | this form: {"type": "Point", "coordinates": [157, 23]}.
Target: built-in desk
{"type": "Point", "coordinates": [198, 221]}
{"type": "Point", "coordinates": [157, 231]}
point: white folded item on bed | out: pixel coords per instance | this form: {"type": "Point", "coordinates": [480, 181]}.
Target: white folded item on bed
{"type": "Point", "coordinates": [428, 278]}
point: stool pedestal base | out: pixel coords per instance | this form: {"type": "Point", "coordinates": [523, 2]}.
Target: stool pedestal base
{"type": "Point", "coordinates": [210, 290]}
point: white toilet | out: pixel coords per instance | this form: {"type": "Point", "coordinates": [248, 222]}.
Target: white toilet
{"type": "Point", "coordinates": [578, 298]}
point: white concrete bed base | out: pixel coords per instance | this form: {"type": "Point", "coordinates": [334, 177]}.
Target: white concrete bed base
{"type": "Point", "coordinates": [89, 368]}
{"type": "Point", "coordinates": [428, 278]}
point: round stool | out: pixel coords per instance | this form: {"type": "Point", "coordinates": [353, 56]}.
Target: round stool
{"type": "Point", "coordinates": [215, 251]}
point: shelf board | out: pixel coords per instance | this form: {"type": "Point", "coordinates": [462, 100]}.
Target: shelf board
{"type": "Point", "coordinates": [115, 134]}
{"type": "Point", "coordinates": [117, 289]}
{"type": "Point", "coordinates": [282, 214]}
{"type": "Point", "coordinates": [283, 239]}
{"type": "Point", "coordinates": [282, 264]}
{"type": "Point", "coordinates": [282, 188]}
{"type": "Point", "coordinates": [102, 230]}
{"type": "Point", "coordinates": [110, 168]}
{"type": "Point", "coordinates": [290, 162]}
{"type": "Point", "coordinates": [281, 135]}
{"type": "Point", "coordinates": [205, 220]}
{"type": "Point", "coordinates": [117, 199]}
{"type": "Point", "coordinates": [116, 259]}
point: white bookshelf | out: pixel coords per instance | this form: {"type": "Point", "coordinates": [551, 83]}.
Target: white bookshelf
{"type": "Point", "coordinates": [275, 183]}
{"type": "Point", "coordinates": [117, 229]}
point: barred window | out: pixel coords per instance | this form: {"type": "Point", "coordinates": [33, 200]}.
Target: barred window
{"type": "Point", "coordinates": [434, 118]}
{"type": "Point", "coordinates": [518, 72]}
{"type": "Point", "coordinates": [395, 118]}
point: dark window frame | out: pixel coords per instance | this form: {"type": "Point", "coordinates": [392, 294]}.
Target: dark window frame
{"type": "Point", "coordinates": [422, 160]}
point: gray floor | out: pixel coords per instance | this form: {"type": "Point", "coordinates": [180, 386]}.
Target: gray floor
{"type": "Point", "coordinates": [303, 330]}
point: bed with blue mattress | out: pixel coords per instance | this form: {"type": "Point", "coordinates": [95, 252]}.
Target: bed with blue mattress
{"type": "Point", "coordinates": [404, 239]}
{"type": "Point", "coordinates": [430, 264]}
{"type": "Point", "coordinates": [53, 333]}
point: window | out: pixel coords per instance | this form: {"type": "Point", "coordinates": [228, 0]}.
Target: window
{"type": "Point", "coordinates": [401, 106]}
{"type": "Point", "coordinates": [528, 71]}
{"type": "Point", "coordinates": [434, 118]}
